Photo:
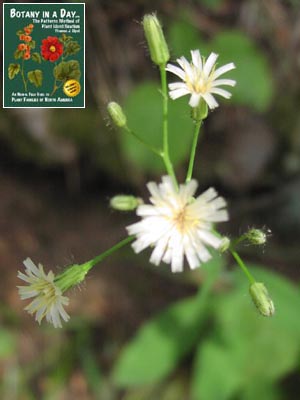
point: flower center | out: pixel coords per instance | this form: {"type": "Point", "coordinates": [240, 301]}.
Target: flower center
{"type": "Point", "coordinates": [52, 49]}
{"type": "Point", "coordinates": [197, 82]}
{"type": "Point", "coordinates": [184, 220]}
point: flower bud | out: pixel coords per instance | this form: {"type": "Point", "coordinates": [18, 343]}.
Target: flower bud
{"type": "Point", "coordinates": [225, 244]}
{"type": "Point", "coordinates": [125, 203]}
{"type": "Point", "coordinates": [200, 112]}
{"type": "Point", "coordinates": [116, 114]}
{"type": "Point", "coordinates": [157, 44]}
{"type": "Point", "coordinates": [261, 299]}
{"type": "Point", "coordinates": [256, 236]}
{"type": "Point", "coordinates": [72, 276]}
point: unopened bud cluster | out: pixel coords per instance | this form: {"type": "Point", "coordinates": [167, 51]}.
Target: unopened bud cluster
{"type": "Point", "coordinates": [255, 236]}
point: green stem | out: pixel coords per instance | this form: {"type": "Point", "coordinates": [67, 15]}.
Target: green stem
{"type": "Point", "coordinates": [242, 265]}
{"type": "Point", "coordinates": [23, 76]}
{"type": "Point", "coordinates": [165, 155]}
{"type": "Point", "coordinates": [149, 146]}
{"type": "Point", "coordinates": [75, 274]}
{"type": "Point", "coordinates": [108, 252]}
{"type": "Point", "coordinates": [55, 88]}
{"type": "Point", "coordinates": [193, 151]}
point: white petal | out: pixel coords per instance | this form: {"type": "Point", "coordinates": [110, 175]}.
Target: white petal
{"type": "Point", "coordinates": [221, 92]}
{"type": "Point", "coordinates": [159, 250]}
{"type": "Point", "coordinates": [208, 195]}
{"type": "Point", "coordinates": [196, 58]}
{"type": "Point", "coordinates": [186, 66]}
{"type": "Point", "coordinates": [167, 256]}
{"type": "Point", "coordinates": [209, 238]}
{"type": "Point", "coordinates": [210, 62]}
{"type": "Point", "coordinates": [187, 190]}
{"type": "Point", "coordinates": [218, 216]}
{"type": "Point", "coordinates": [222, 70]}
{"type": "Point", "coordinates": [175, 94]}
{"type": "Point", "coordinates": [194, 100]}
{"type": "Point", "coordinates": [210, 100]}
{"type": "Point", "coordinates": [140, 245]}
{"type": "Point", "coordinates": [146, 209]}
{"type": "Point", "coordinates": [177, 253]}
{"type": "Point", "coordinates": [29, 264]}
{"type": "Point", "coordinates": [202, 252]}
{"type": "Point", "coordinates": [153, 189]}
{"type": "Point", "coordinates": [191, 255]}
{"type": "Point", "coordinates": [177, 85]}
{"type": "Point", "coordinates": [176, 70]}
{"type": "Point", "coordinates": [219, 82]}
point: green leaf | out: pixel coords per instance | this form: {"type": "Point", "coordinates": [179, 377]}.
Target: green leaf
{"type": "Point", "coordinates": [35, 77]}
{"type": "Point", "coordinates": [31, 44]}
{"type": "Point", "coordinates": [254, 78]}
{"type": "Point", "coordinates": [67, 70]}
{"type": "Point", "coordinates": [213, 360]}
{"type": "Point", "coordinates": [162, 342]}
{"type": "Point", "coordinates": [13, 70]}
{"type": "Point", "coordinates": [20, 32]}
{"type": "Point", "coordinates": [71, 48]}
{"type": "Point", "coordinates": [183, 37]}
{"type": "Point", "coordinates": [158, 346]}
{"type": "Point", "coordinates": [65, 38]}
{"type": "Point", "coordinates": [248, 343]}
{"type": "Point", "coordinates": [143, 109]}
{"type": "Point", "coordinates": [261, 390]}
{"type": "Point", "coordinates": [18, 54]}
{"type": "Point", "coordinates": [36, 57]}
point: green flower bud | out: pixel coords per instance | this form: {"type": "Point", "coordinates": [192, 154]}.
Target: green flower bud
{"type": "Point", "coordinates": [116, 114]}
{"type": "Point", "coordinates": [224, 246]}
{"type": "Point", "coordinates": [72, 276]}
{"type": "Point", "coordinates": [200, 112]}
{"type": "Point", "coordinates": [261, 299]}
{"type": "Point", "coordinates": [256, 236]}
{"type": "Point", "coordinates": [125, 203]}
{"type": "Point", "coordinates": [157, 44]}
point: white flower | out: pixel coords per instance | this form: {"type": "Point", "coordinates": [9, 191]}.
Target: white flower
{"type": "Point", "coordinates": [49, 300]}
{"type": "Point", "coordinates": [178, 225]}
{"type": "Point", "coordinates": [200, 79]}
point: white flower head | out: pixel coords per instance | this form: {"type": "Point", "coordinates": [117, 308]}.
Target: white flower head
{"type": "Point", "coordinates": [48, 299]}
{"type": "Point", "coordinates": [200, 79]}
{"type": "Point", "coordinates": [178, 225]}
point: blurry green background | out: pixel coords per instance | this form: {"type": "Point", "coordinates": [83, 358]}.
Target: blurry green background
{"type": "Point", "coordinates": [138, 332]}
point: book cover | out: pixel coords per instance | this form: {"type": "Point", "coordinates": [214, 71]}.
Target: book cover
{"type": "Point", "coordinates": [43, 55]}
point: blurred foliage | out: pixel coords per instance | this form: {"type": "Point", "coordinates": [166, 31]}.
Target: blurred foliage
{"type": "Point", "coordinates": [212, 4]}
{"type": "Point", "coordinates": [163, 341]}
{"type": "Point", "coordinates": [240, 349]}
{"type": "Point", "coordinates": [143, 109]}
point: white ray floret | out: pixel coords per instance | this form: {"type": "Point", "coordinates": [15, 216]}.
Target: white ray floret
{"type": "Point", "coordinates": [177, 225]}
{"type": "Point", "coordinates": [48, 299]}
{"type": "Point", "coordinates": [199, 79]}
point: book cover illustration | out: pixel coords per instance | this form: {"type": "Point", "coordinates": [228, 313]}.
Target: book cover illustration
{"type": "Point", "coordinates": [43, 63]}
